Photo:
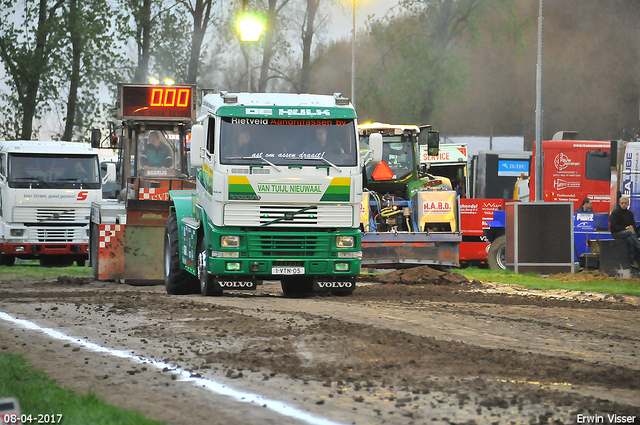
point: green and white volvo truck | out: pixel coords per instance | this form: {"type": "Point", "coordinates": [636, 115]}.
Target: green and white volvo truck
{"type": "Point", "coordinates": [279, 185]}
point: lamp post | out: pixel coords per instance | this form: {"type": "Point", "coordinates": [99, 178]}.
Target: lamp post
{"type": "Point", "coordinates": [353, 57]}
{"type": "Point", "coordinates": [539, 116]}
{"type": "Point", "coordinates": [250, 28]}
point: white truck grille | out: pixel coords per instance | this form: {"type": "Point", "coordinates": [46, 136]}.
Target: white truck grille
{"type": "Point", "coordinates": [43, 215]}
{"type": "Point", "coordinates": [60, 235]}
{"type": "Point", "coordinates": [288, 215]}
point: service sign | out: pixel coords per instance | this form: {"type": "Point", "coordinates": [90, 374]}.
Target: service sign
{"type": "Point", "coordinates": [448, 153]}
{"type": "Point", "coordinates": [155, 102]}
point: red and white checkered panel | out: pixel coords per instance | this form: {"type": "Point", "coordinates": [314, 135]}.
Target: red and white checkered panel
{"type": "Point", "coordinates": [108, 231]}
{"type": "Point", "coordinates": [154, 193]}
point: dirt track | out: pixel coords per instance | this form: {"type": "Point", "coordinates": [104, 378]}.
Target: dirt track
{"type": "Point", "coordinates": [431, 350]}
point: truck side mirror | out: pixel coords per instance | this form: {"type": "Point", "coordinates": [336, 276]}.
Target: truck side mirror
{"type": "Point", "coordinates": [96, 137]}
{"type": "Point", "coordinates": [433, 143]}
{"type": "Point", "coordinates": [197, 145]}
{"type": "Point", "coordinates": [110, 175]}
{"type": "Point", "coordinates": [375, 146]}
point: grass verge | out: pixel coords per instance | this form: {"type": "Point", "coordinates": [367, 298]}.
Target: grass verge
{"type": "Point", "coordinates": [31, 270]}
{"type": "Point", "coordinates": [586, 282]}
{"type": "Point", "coordinates": [39, 395]}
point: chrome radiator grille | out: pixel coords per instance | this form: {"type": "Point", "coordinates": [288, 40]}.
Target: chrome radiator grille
{"type": "Point", "coordinates": [288, 215]}
{"type": "Point", "coordinates": [285, 245]}
{"type": "Point", "coordinates": [40, 215]}
{"type": "Point", "coordinates": [60, 235]}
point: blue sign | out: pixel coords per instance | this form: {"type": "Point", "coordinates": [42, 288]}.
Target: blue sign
{"type": "Point", "coordinates": [512, 167]}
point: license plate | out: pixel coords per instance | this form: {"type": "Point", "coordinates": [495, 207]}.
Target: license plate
{"type": "Point", "coordinates": [287, 270]}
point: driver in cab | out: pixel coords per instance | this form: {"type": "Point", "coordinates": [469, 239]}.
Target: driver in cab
{"type": "Point", "coordinates": [156, 153]}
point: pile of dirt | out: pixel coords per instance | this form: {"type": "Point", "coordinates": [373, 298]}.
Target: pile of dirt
{"type": "Point", "coordinates": [72, 281]}
{"type": "Point", "coordinates": [423, 275]}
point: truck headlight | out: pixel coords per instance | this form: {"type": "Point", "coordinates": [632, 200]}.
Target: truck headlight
{"type": "Point", "coordinates": [17, 233]}
{"type": "Point", "coordinates": [345, 242]}
{"type": "Point", "coordinates": [230, 241]}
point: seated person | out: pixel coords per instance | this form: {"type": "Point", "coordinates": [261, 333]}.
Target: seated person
{"type": "Point", "coordinates": [77, 172]}
{"type": "Point", "coordinates": [237, 148]}
{"type": "Point", "coordinates": [322, 144]}
{"type": "Point", "coordinates": [622, 224]}
{"type": "Point", "coordinates": [586, 206]}
{"type": "Point", "coordinates": [156, 154]}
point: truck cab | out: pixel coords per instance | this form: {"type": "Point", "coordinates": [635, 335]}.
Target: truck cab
{"type": "Point", "coordinates": [46, 190]}
{"type": "Point", "coordinates": [279, 182]}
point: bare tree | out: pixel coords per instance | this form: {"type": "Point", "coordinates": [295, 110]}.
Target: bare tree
{"type": "Point", "coordinates": [269, 45]}
{"type": "Point", "coordinates": [142, 14]}
{"type": "Point", "coordinates": [27, 50]}
{"type": "Point", "coordinates": [308, 32]}
{"type": "Point", "coordinates": [201, 11]}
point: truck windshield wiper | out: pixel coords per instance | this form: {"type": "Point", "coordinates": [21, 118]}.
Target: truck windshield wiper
{"type": "Point", "coordinates": [255, 157]}
{"type": "Point", "coordinates": [72, 180]}
{"type": "Point", "coordinates": [326, 161]}
{"type": "Point", "coordinates": [31, 180]}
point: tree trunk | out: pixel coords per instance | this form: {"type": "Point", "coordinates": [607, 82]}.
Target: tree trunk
{"type": "Point", "coordinates": [38, 66]}
{"type": "Point", "coordinates": [74, 83]}
{"type": "Point", "coordinates": [307, 40]}
{"type": "Point", "coordinates": [269, 40]}
{"type": "Point", "coordinates": [144, 41]}
{"type": "Point", "coordinates": [201, 15]}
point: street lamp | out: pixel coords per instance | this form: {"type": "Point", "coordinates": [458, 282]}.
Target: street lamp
{"type": "Point", "coordinates": [353, 57]}
{"type": "Point", "coordinates": [250, 27]}
{"type": "Point", "coordinates": [539, 116]}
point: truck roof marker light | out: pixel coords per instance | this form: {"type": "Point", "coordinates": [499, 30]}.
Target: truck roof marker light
{"type": "Point", "coordinates": [340, 100]}
{"type": "Point", "coordinates": [228, 98]}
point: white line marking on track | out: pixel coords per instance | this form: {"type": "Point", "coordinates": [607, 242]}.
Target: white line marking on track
{"type": "Point", "coordinates": [215, 387]}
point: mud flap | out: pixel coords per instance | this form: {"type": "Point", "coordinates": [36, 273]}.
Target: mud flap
{"type": "Point", "coordinates": [333, 284]}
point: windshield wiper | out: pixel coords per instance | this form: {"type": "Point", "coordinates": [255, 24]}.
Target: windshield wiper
{"type": "Point", "coordinates": [255, 157]}
{"type": "Point", "coordinates": [32, 180]}
{"type": "Point", "coordinates": [71, 180]}
{"type": "Point", "coordinates": [326, 161]}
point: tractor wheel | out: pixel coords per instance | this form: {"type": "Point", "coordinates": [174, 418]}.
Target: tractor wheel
{"type": "Point", "coordinates": [205, 279]}
{"type": "Point", "coordinates": [497, 254]}
{"type": "Point", "coordinates": [177, 281]}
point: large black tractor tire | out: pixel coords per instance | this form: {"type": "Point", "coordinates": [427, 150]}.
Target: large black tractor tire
{"type": "Point", "coordinates": [207, 286]}
{"type": "Point", "coordinates": [296, 287]}
{"type": "Point", "coordinates": [177, 281]}
{"type": "Point", "coordinates": [497, 254]}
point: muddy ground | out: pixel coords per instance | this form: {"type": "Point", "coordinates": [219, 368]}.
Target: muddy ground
{"type": "Point", "coordinates": [412, 347]}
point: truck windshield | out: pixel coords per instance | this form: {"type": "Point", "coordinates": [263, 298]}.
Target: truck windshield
{"type": "Point", "coordinates": [288, 141]}
{"type": "Point", "coordinates": [54, 171]}
{"type": "Point", "coordinates": [159, 153]}
{"type": "Point", "coordinates": [397, 152]}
